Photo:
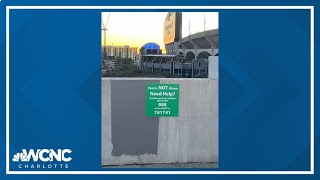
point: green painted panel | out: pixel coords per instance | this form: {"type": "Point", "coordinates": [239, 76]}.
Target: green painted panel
{"type": "Point", "coordinates": [162, 100]}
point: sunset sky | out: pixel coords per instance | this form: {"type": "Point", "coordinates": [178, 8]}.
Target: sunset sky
{"type": "Point", "coordinates": [137, 28]}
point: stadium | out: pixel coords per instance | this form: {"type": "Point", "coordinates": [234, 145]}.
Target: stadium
{"type": "Point", "coordinates": [187, 56]}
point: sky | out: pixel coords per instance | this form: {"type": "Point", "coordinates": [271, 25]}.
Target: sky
{"type": "Point", "coordinates": [137, 28]}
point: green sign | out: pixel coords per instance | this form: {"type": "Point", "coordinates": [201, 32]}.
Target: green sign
{"type": "Point", "coordinates": [162, 99]}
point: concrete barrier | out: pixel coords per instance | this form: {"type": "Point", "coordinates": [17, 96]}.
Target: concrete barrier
{"type": "Point", "coordinates": [213, 67]}
{"type": "Point", "coordinates": [129, 137]}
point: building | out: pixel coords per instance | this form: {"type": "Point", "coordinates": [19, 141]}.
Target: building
{"type": "Point", "coordinates": [198, 46]}
{"type": "Point", "coordinates": [150, 48]}
{"type": "Point", "coordinates": [186, 57]}
{"type": "Point", "coordinates": [111, 53]}
{"type": "Point", "coordinates": [172, 32]}
{"type": "Point", "coordinates": [122, 52]}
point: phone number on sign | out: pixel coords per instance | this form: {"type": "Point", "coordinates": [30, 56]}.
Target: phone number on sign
{"type": "Point", "coordinates": [162, 112]}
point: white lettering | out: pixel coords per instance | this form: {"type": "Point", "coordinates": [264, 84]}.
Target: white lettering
{"type": "Point", "coordinates": [42, 158]}
{"type": "Point", "coordinates": [68, 151]}
{"type": "Point", "coordinates": [32, 154]}
{"type": "Point", "coordinates": [57, 156]}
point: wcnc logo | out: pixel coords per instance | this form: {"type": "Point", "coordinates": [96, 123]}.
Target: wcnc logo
{"type": "Point", "coordinates": [43, 158]}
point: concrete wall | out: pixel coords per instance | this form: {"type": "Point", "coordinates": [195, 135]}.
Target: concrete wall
{"type": "Point", "coordinates": [213, 67]}
{"type": "Point", "coordinates": [129, 137]}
